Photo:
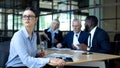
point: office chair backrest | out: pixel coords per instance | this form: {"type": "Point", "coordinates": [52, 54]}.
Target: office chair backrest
{"type": "Point", "coordinates": [4, 52]}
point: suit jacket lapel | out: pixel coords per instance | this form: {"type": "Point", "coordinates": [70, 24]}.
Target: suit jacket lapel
{"type": "Point", "coordinates": [72, 35]}
{"type": "Point", "coordinates": [80, 35]}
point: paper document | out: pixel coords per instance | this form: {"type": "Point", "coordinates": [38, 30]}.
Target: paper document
{"type": "Point", "coordinates": [79, 51]}
{"type": "Point", "coordinates": [61, 48]}
{"type": "Point", "coordinates": [54, 55]}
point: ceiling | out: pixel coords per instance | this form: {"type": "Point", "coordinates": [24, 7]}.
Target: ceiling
{"type": "Point", "coordinates": [44, 5]}
{"type": "Point", "coordinates": [10, 4]}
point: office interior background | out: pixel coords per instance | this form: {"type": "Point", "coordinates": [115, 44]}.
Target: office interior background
{"type": "Point", "coordinates": [107, 12]}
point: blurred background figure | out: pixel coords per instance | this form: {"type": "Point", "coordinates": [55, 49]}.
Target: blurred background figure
{"type": "Point", "coordinates": [53, 35]}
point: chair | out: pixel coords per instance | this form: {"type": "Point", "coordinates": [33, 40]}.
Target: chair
{"type": "Point", "coordinates": [116, 51]}
{"type": "Point", "coordinates": [117, 44]}
{"type": "Point", "coordinates": [4, 52]}
{"type": "Point", "coordinates": [117, 37]}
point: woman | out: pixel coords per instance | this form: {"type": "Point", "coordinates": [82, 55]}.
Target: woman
{"type": "Point", "coordinates": [53, 35]}
{"type": "Point", "coordinates": [23, 47]}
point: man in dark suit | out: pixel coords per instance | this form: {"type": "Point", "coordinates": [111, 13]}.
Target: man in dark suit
{"type": "Point", "coordinates": [76, 39]}
{"type": "Point", "coordinates": [99, 38]}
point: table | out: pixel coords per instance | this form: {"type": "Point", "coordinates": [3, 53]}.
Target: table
{"type": "Point", "coordinates": [78, 57]}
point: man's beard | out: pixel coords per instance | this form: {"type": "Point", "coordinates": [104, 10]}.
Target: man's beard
{"type": "Point", "coordinates": [86, 29]}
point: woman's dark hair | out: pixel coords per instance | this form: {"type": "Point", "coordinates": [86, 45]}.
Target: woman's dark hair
{"type": "Point", "coordinates": [93, 19]}
{"type": "Point", "coordinates": [35, 11]}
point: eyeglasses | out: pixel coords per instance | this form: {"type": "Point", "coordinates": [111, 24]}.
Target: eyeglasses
{"type": "Point", "coordinates": [75, 25]}
{"type": "Point", "coordinates": [29, 17]}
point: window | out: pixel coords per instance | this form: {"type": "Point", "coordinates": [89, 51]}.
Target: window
{"type": "Point", "coordinates": [17, 22]}
{"type": "Point", "coordinates": [44, 22]}
{"type": "Point", "coordinates": [64, 18]}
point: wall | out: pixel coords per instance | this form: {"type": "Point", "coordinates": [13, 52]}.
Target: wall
{"type": "Point", "coordinates": [110, 20]}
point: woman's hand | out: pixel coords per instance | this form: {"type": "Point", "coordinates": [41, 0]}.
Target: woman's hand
{"type": "Point", "coordinates": [57, 61]}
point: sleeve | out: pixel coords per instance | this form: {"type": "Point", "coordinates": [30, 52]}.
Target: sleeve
{"type": "Point", "coordinates": [60, 36]}
{"type": "Point", "coordinates": [86, 38]}
{"type": "Point", "coordinates": [104, 43]}
{"type": "Point", "coordinates": [22, 51]}
{"type": "Point", "coordinates": [64, 42]}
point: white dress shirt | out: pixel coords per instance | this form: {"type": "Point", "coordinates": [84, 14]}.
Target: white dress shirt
{"type": "Point", "coordinates": [75, 39]}
{"type": "Point", "coordinates": [92, 35]}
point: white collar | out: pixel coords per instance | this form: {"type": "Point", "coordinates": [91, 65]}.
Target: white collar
{"type": "Point", "coordinates": [93, 30]}
{"type": "Point", "coordinates": [77, 33]}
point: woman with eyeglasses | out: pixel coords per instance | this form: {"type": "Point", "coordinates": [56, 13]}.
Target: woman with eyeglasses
{"type": "Point", "coordinates": [23, 47]}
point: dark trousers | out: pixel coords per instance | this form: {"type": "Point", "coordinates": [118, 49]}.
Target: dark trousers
{"type": "Point", "coordinates": [18, 67]}
{"type": "Point", "coordinates": [79, 67]}
{"type": "Point", "coordinates": [49, 66]}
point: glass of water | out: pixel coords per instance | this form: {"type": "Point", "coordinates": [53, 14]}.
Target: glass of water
{"type": "Point", "coordinates": [43, 46]}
